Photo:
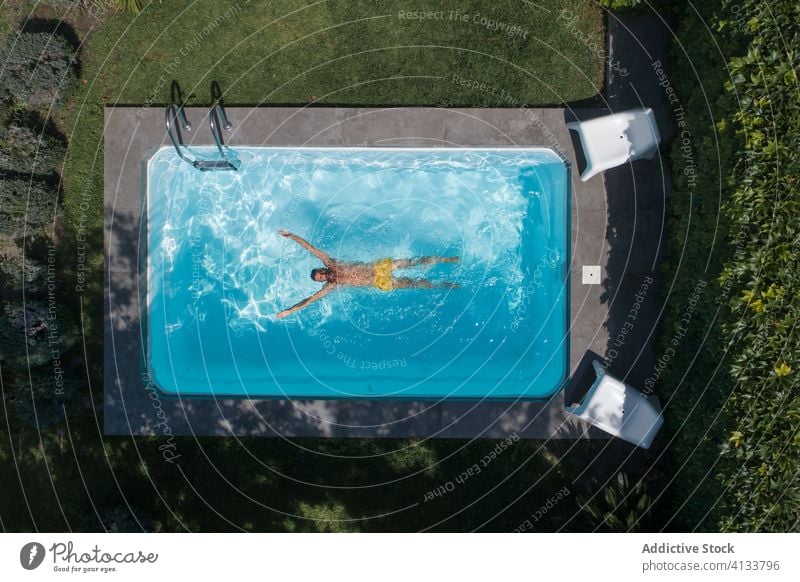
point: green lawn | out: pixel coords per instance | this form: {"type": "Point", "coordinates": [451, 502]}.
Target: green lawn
{"type": "Point", "coordinates": [357, 53]}
{"type": "Point", "coordinates": [353, 53]}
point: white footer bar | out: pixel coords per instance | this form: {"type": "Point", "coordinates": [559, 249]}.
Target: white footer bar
{"type": "Point", "coordinates": [399, 557]}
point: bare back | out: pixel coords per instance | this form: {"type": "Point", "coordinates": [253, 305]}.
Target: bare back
{"type": "Point", "coordinates": [352, 274]}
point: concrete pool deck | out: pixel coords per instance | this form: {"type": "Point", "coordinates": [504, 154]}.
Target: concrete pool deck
{"type": "Point", "coordinates": [132, 134]}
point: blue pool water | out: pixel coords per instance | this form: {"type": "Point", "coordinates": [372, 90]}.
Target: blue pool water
{"type": "Point", "coordinates": [218, 272]}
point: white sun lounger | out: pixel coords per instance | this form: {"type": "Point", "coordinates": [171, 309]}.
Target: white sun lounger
{"type": "Point", "coordinates": [613, 140]}
{"type": "Point", "coordinates": [620, 409]}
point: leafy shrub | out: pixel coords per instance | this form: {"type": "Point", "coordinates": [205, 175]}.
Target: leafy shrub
{"type": "Point", "coordinates": [621, 507]}
{"type": "Point", "coordinates": [33, 333]}
{"type": "Point", "coordinates": [733, 387]}
{"type": "Point", "coordinates": [26, 206]}
{"type": "Point", "coordinates": [38, 67]}
{"type": "Point", "coordinates": [28, 151]}
{"type": "Point", "coordinates": [44, 398]}
{"type": "Point", "coordinates": [762, 329]}
{"type": "Point", "coordinates": [620, 4]}
{"type": "Point", "coordinates": [17, 269]}
{"type": "Point", "coordinates": [132, 6]}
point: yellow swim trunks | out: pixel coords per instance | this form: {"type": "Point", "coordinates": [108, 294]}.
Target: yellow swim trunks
{"type": "Point", "coordinates": [383, 274]}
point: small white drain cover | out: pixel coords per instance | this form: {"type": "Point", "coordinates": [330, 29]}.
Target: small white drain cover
{"type": "Point", "coordinates": [591, 275]}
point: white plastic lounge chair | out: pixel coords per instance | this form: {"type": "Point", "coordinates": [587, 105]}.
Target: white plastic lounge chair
{"type": "Point", "coordinates": [612, 140]}
{"type": "Point", "coordinates": [620, 409]}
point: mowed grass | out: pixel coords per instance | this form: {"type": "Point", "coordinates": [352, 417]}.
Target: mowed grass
{"type": "Point", "coordinates": [357, 53]}
{"type": "Point", "coordinates": [344, 53]}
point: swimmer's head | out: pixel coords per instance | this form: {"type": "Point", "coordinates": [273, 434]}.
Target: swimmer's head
{"type": "Point", "coordinates": [320, 275]}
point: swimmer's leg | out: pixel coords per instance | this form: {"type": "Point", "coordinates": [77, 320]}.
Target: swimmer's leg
{"type": "Point", "coordinates": [406, 263]}
{"type": "Point", "coordinates": [409, 283]}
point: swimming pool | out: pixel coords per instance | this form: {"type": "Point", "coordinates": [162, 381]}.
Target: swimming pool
{"type": "Point", "coordinates": [218, 272]}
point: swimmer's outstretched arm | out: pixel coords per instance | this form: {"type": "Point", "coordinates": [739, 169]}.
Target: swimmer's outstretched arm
{"type": "Point", "coordinates": [307, 301]}
{"type": "Point", "coordinates": [324, 257]}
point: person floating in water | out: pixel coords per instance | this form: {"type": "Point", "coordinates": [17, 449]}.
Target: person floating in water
{"type": "Point", "coordinates": [378, 274]}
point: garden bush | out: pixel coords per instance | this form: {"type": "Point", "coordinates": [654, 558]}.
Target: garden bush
{"type": "Point", "coordinates": [26, 206]}
{"type": "Point", "coordinates": [621, 506]}
{"type": "Point", "coordinates": [762, 331]}
{"type": "Point", "coordinates": [38, 67]}
{"type": "Point", "coordinates": [27, 150]}
{"type": "Point", "coordinates": [34, 333]}
{"type": "Point", "coordinates": [732, 386]}
{"type": "Point", "coordinates": [620, 4]}
{"type": "Point", "coordinates": [46, 397]}
{"type": "Point", "coordinates": [17, 269]}
{"type": "Point", "coordinates": [132, 6]}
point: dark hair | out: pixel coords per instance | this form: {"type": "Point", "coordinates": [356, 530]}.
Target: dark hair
{"type": "Point", "coordinates": [315, 271]}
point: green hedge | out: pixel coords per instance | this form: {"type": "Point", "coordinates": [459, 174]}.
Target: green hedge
{"type": "Point", "coordinates": [732, 384]}
{"type": "Point", "coordinates": [35, 333]}
{"type": "Point", "coordinates": [620, 4]}
{"type": "Point", "coordinates": [26, 206]}
{"type": "Point", "coordinates": [46, 396]}
{"type": "Point", "coordinates": [27, 150]}
{"type": "Point", "coordinates": [17, 269]}
{"type": "Point", "coordinates": [762, 330]}
{"type": "Point", "coordinates": [38, 68]}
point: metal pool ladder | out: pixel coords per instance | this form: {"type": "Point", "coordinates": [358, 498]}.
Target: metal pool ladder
{"type": "Point", "coordinates": [175, 118]}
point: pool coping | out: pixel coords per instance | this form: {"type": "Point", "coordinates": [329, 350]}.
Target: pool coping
{"type": "Point", "coordinates": [133, 408]}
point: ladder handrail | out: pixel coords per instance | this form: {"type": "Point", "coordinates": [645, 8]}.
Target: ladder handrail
{"type": "Point", "coordinates": [177, 140]}
{"type": "Point", "coordinates": [225, 121]}
{"type": "Point", "coordinates": [216, 132]}
{"type": "Point", "coordinates": [213, 122]}
{"type": "Point", "coordinates": [174, 113]}
{"type": "Point", "coordinates": [216, 98]}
